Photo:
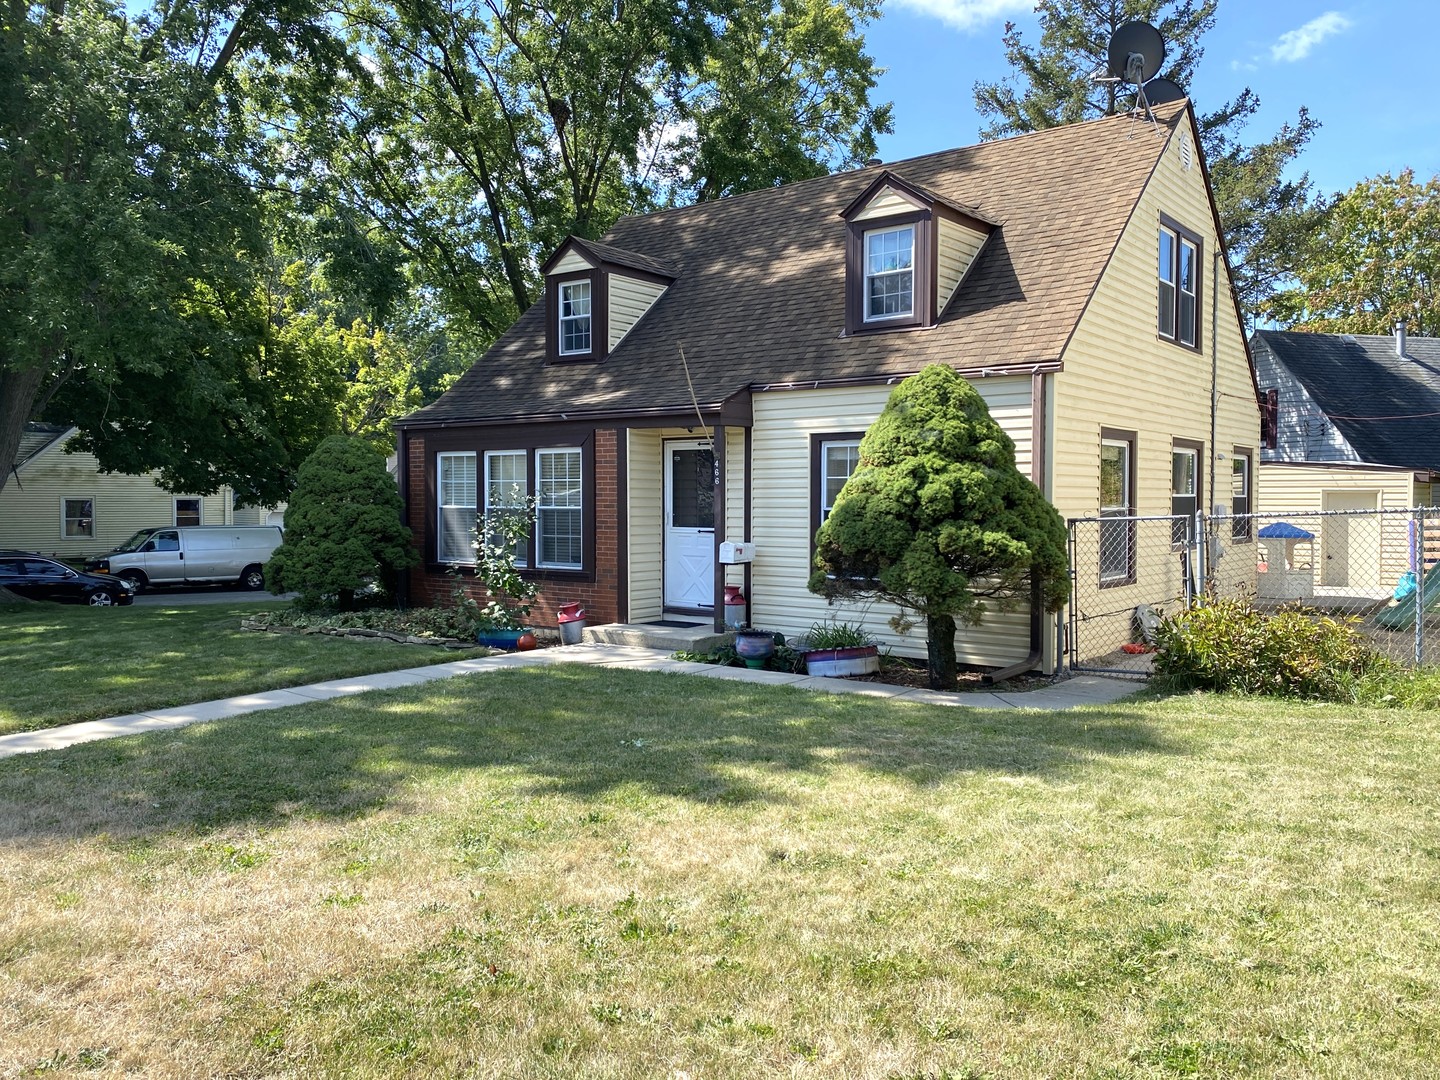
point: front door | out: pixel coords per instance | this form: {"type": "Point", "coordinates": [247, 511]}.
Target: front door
{"type": "Point", "coordinates": [689, 525]}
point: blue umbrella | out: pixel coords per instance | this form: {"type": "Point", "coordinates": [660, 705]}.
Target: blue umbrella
{"type": "Point", "coordinates": [1283, 530]}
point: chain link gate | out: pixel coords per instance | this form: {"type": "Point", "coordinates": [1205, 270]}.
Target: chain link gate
{"type": "Point", "coordinates": [1378, 567]}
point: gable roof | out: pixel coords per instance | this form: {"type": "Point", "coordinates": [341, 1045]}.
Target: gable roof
{"type": "Point", "coordinates": [36, 439]}
{"type": "Point", "coordinates": [759, 292]}
{"type": "Point", "coordinates": [609, 253]}
{"type": "Point", "coordinates": [1387, 407]}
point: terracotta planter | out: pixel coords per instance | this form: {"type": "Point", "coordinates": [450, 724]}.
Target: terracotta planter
{"type": "Point", "coordinates": [835, 663]}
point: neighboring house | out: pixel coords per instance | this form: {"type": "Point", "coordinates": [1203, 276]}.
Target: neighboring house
{"type": "Point", "coordinates": [61, 504]}
{"type": "Point", "coordinates": [705, 374]}
{"type": "Point", "coordinates": [1351, 422]}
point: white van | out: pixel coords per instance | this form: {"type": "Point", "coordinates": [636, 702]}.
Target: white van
{"type": "Point", "coordinates": [192, 554]}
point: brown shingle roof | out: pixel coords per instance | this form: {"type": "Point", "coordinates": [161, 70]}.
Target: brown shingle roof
{"type": "Point", "coordinates": [760, 293]}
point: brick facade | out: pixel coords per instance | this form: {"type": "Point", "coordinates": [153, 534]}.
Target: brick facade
{"type": "Point", "coordinates": [601, 596]}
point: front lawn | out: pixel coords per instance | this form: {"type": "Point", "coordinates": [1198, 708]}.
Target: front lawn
{"type": "Point", "coordinates": [60, 663]}
{"type": "Point", "coordinates": [575, 872]}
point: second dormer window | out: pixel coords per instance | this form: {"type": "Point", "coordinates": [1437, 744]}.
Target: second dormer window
{"type": "Point", "coordinates": [574, 317]}
{"type": "Point", "coordinates": [889, 273]}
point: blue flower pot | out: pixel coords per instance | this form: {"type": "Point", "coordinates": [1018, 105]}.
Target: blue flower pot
{"type": "Point", "coordinates": [754, 647]}
{"type": "Point", "coordinates": [499, 639]}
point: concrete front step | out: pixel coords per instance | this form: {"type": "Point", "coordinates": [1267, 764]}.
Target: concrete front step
{"type": "Point", "coordinates": [698, 638]}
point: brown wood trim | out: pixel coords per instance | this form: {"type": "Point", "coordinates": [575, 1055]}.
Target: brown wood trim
{"type": "Point", "coordinates": [1045, 367]}
{"type": "Point", "coordinates": [622, 524]}
{"type": "Point", "coordinates": [817, 496]}
{"type": "Point", "coordinates": [599, 317]}
{"type": "Point", "coordinates": [555, 438]}
{"type": "Point", "coordinates": [1133, 439]}
{"type": "Point", "coordinates": [1186, 233]}
{"type": "Point", "coordinates": [667, 416]}
{"type": "Point", "coordinates": [717, 537]}
{"type": "Point", "coordinates": [922, 284]}
{"type": "Point", "coordinates": [1038, 432]}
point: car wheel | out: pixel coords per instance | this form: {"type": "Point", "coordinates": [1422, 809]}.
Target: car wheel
{"type": "Point", "coordinates": [136, 578]}
{"type": "Point", "coordinates": [253, 578]}
{"type": "Point", "coordinates": [101, 598]}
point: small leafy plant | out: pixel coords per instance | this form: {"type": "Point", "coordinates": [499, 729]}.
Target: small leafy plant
{"type": "Point", "coordinates": [1225, 644]}
{"type": "Point", "coordinates": [498, 536]}
{"type": "Point", "coordinates": [834, 635]}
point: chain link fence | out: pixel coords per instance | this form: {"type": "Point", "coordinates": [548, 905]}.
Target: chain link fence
{"type": "Point", "coordinates": [1377, 566]}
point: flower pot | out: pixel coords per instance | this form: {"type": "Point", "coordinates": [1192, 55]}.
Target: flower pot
{"type": "Point", "coordinates": [499, 639]}
{"type": "Point", "coordinates": [754, 647]}
{"type": "Point", "coordinates": [836, 663]}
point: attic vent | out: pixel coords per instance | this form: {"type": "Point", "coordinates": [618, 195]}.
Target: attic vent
{"type": "Point", "coordinates": [1187, 152]}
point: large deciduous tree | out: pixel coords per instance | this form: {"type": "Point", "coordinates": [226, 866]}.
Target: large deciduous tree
{"type": "Point", "coordinates": [126, 240]}
{"type": "Point", "coordinates": [476, 136]}
{"type": "Point", "coordinates": [1264, 216]}
{"type": "Point", "coordinates": [1373, 260]}
{"type": "Point", "coordinates": [937, 519]}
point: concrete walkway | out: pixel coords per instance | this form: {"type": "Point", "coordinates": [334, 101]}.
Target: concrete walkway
{"type": "Point", "coordinates": [1081, 690]}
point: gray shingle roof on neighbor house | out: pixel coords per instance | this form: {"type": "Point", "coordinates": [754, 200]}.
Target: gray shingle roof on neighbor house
{"type": "Point", "coordinates": [1388, 408]}
{"type": "Point", "coordinates": [35, 439]}
{"type": "Point", "coordinates": [759, 296]}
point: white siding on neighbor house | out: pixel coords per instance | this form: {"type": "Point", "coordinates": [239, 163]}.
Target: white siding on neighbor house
{"type": "Point", "coordinates": [783, 424]}
{"type": "Point", "coordinates": [1120, 374]}
{"type": "Point", "coordinates": [630, 298]}
{"type": "Point", "coordinates": [1290, 492]}
{"type": "Point", "coordinates": [955, 251]}
{"type": "Point", "coordinates": [31, 505]}
{"type": "Point", "coordinates": [886, 202]}
{"type": "Point", "coordinates": [1303, 432]}
{"type": "Point", "coordinates": [572, 261]}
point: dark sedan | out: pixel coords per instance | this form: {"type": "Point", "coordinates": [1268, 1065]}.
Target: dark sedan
{"type": "Point", "coordinates": [38, 578]}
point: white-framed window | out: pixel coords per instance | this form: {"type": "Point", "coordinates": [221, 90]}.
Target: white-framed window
{"type": "Point", "coordinates": [77, 519]}
{"type": "Point", "coordinates": [1184, 491]}
{"type": "Point", "coordinates": [187, 510]}
{"type": "Point", "coordinates": [1179, 286]}
{"type": "Point", "coordinates": [506, 488]}
{"type": "Point", "coordinates": [574, 317]}
{"type": "Point", "coordinates": [455, 495]}
{"type": "Point", "coordinates": [889, 273]}
{"type": "Point", "coordinates": [1117, 501]}
{"type": "Point", "coordinates": [838, 458]}
{"type": "Point", "coordinates": [559, 509]}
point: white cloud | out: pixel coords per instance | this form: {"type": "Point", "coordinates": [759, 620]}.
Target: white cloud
{"type": "Point", "coordinates": [1295, 45]}
{"type": "Point", "coordinates": [967, 14]}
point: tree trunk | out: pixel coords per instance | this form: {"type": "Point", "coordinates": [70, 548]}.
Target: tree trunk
{"type": "Point", "coordinates": [941, 650]}
{"type": "Point", "coordinates": [18, 390]}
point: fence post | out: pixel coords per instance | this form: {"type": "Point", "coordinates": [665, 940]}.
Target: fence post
{"type": "Point", "coordinates": [1417, 568]}
{"type": "Point", "coordinates": [1201, 557]}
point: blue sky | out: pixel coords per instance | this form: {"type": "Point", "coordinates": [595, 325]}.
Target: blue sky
{"type": "Point", "coordinates": [1368, 73]}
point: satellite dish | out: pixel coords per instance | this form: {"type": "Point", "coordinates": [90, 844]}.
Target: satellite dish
{"type": "Point", "coordinates": [1136, 52]}
{"type": "Point", "coordinates": [1162, 91]}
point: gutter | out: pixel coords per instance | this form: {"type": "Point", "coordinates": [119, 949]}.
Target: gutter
{"type": "Point", "coordinates": [1036, 644]}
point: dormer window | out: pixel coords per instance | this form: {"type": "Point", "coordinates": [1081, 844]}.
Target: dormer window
{"type": "Point", "coordinates": [889, 273]}
{"type": "Point", "coordinates": [907, 251]}
{"type": "Point", "coordinates": [575, 328]}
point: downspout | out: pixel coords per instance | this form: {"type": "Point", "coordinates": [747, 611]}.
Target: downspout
{"type": "Point", "coordinates": [1038, 435]}
{"type": "Point", "coordinates": [1214, 395]}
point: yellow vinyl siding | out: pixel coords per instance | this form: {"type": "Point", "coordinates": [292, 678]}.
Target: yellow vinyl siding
{"type": "Point", "coordinates": [1293, 491]}
{"type": "Point", "coordinates": [887, 203]}
{"type": "Point", "coordinates": [955, 251]}
{"type": "Point", "coordinates": [1120, 374]}
{"type": "Point", "coordinates": [573, 261]}
{"type": "Point", "coordinates": [630, 298]}
{"type": "Point", "coordinates": [783, 424]}
{"type": "Point", "coordinates": [32, 504]}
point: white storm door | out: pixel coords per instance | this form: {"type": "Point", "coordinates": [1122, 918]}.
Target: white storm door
{"type": "Point", "coordinates": [689, 525]}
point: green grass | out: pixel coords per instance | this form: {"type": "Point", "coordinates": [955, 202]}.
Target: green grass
{"type": "Point", "coordinates": [61, 663]}
{"type": "Point", "coordinates": [575, 872]}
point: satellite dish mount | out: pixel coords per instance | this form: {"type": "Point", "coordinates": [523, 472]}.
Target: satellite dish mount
{"type": "Point", "coordinates": [1134, 57]}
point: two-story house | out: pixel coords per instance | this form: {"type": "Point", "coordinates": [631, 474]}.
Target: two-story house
{"type": "Point", "coordinates": [705, 374]}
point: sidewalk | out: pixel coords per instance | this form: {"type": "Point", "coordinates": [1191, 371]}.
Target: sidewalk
{"type": "Point", "coordinates": [1081, 690]}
